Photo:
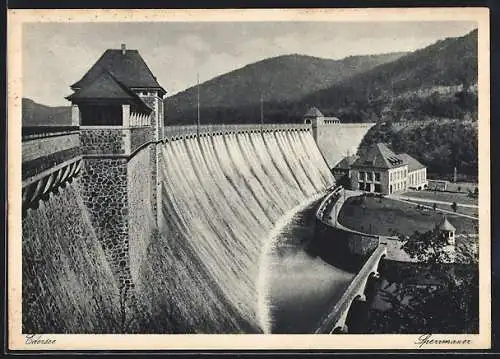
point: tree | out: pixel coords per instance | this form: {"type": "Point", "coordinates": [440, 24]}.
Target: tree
{"type": "Point", "coordinates": [454, 206]}
{"type": "Point", "coordinates": [428, 247]}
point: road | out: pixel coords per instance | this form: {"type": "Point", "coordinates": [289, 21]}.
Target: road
{"type": "Point", "coordinates": [414, 199]}
{"type": "Point", "coordinates": [428, 200]}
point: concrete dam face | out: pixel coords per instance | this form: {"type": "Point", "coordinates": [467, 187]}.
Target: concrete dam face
{"type": "Point", "coordinates": [194, 258]}
{"type": "Point", "coordinates": [222, 197]}
{"type": "Point", "coordinates": [338, 140]}
{"type": "Point", "coordinates": [60, 252]}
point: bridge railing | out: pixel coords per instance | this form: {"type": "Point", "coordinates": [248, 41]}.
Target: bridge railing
{"type": "Point", "coordinates": [357, 285]}
{"type": "Point", "coordinates": [347, 124]}
{"type": "Point", "coordinates": [330, 199]}
{"type": "Point", "coordinates": [180, 131]}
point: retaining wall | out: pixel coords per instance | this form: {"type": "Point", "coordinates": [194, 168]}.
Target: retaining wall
{"type": "Point", "coordinates": [345, 248]}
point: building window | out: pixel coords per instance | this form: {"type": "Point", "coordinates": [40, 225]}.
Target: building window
{"type": "Point", "coordinates": [101, 115]}
{"type": "Point", "coordinates": [361, 176]}
{"type": "Point", "coordinates": [369, 176]}
{"type": "Point", "coordinates": [361, 186]}
{"type": "Point", "coordinates": [377, 176]}
{"type": "Point", "coordinates": [378, 188]}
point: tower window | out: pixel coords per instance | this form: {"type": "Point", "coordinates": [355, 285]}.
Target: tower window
{"type": "Point", "coordinates": [101, 115]}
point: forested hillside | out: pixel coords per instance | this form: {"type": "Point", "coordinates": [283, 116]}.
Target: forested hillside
{"type": "Point", "coordinates": [277, 79]}
{"type": "Point", "coordinates": [438, 81]}
{"type": "Point", "coordinates": [440, 145]}
{"type": "Point", "coordinates": [35, 114]}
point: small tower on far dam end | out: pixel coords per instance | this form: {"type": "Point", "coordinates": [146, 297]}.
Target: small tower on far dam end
{"type": "Point", "coordinates": [118, 105]}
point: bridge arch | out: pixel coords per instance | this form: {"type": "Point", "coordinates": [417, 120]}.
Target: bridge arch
{"type": "Point", "coordinates": [371, 286]}
{"type": "Point", "coordinates": [339, 330]}
{"type": "Point", "coordinates": [357, 315]}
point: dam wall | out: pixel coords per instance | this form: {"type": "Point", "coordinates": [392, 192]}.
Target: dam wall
{"type": "Point", "coordinates": [337, 140]}
{"type": "Point", "coordinates": [118, 181]}
{"type": "Point", "coordinates": [68, 286]}
{"type": "Point", "coordinates": [181, 223]}
{"type": "Point", "coordinates": [221, 198]}
{"type": "Point", "coordinates": [344, 247]}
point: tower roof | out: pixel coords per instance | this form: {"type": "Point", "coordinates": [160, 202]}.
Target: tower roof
{"type": "Point", "coordinates": [313, 112]}
{"type": "Point", "coordinates": [445, 225]}
{"type": "Point", "coordinates": [127, 66]}
{"type": "Point", "coordinates": [106, 87]}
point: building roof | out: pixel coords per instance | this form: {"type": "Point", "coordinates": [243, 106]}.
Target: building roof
{"type": "Point", "coordinates": [445, 225]}
{"type": "Point", "coordinates": [379, 156]}
{"type": "Point", "coordinates": [412, 163]}
{"type": "Point", "coordinates": [107, 87]}
{"type": "Point", "coordinates": [346, 162]}
{"type": "Point", "coordinates": [127, 66]}
{"type": "Point", "coordinates": [313, 112]}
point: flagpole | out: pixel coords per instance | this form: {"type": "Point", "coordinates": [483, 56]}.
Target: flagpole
{"type": "Point", "coordinates": [261, 113]}
{"type": "Point", "coordinates": [198, 103]}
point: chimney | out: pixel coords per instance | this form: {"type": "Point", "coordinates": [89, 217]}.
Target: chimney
{"type": "Point", "coordinates": [124, 49]}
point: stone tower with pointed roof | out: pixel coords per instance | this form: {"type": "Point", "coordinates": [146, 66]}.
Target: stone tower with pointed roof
{"type": "Point", "coordinates": [447, 230]}
{"type": "Point", "coordinates": [118, 105]}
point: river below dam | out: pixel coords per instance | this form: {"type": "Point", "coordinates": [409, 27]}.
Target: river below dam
{"type": "Point", "coordinates": [302, 287]}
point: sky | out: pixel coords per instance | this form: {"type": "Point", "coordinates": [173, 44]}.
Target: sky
{"type": "Point", "coordinates": [56, 55]}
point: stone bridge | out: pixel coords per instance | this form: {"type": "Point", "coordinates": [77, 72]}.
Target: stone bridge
{"type": "Point", "coordinates": [350, 312]}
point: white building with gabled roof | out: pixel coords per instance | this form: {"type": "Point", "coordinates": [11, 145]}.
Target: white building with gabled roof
{"type": "Point", "coordinates": [380, 170]}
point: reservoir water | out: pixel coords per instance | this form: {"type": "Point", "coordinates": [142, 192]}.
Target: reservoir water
{"type": "Point", "coordinates": [302, 286]}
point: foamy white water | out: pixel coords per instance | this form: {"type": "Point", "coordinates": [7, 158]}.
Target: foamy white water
{"type": "Point", "coordinates": [228, 198]}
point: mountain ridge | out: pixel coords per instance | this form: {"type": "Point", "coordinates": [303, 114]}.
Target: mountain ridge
{"type": "Point", "coordinates": [280, 78]}
{"type": "Point", "coordinates": [364, 96]}
{"type": "Point", "coordinates": [37, 114]}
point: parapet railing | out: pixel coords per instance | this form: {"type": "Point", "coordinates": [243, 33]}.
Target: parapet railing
{"type": "Point", "coordinates": [35, 132]}
{"type": "Point", "coordinates": [325, 207]}
{"type": "Point", "coordinates": [357, 286]}
{"type": "Point", "coordinates": [181, 131]}
{"type": "Point", "coordinates": [349, 124]}
{"type": "Point", "coordinates": [328, 200]}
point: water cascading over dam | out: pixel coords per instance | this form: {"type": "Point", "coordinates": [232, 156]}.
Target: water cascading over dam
{"type": "Point", "coordinates": [222, 197]}
{"type": "Point", "coordinates": [68, 285]}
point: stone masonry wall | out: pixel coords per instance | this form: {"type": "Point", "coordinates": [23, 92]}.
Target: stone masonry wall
{"type": "Point", "coordinates": [68, 286]}
{"type": "Point", "coordinates": [104, 192]}
{"type": "Point", "coordinates": [103, 141]}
